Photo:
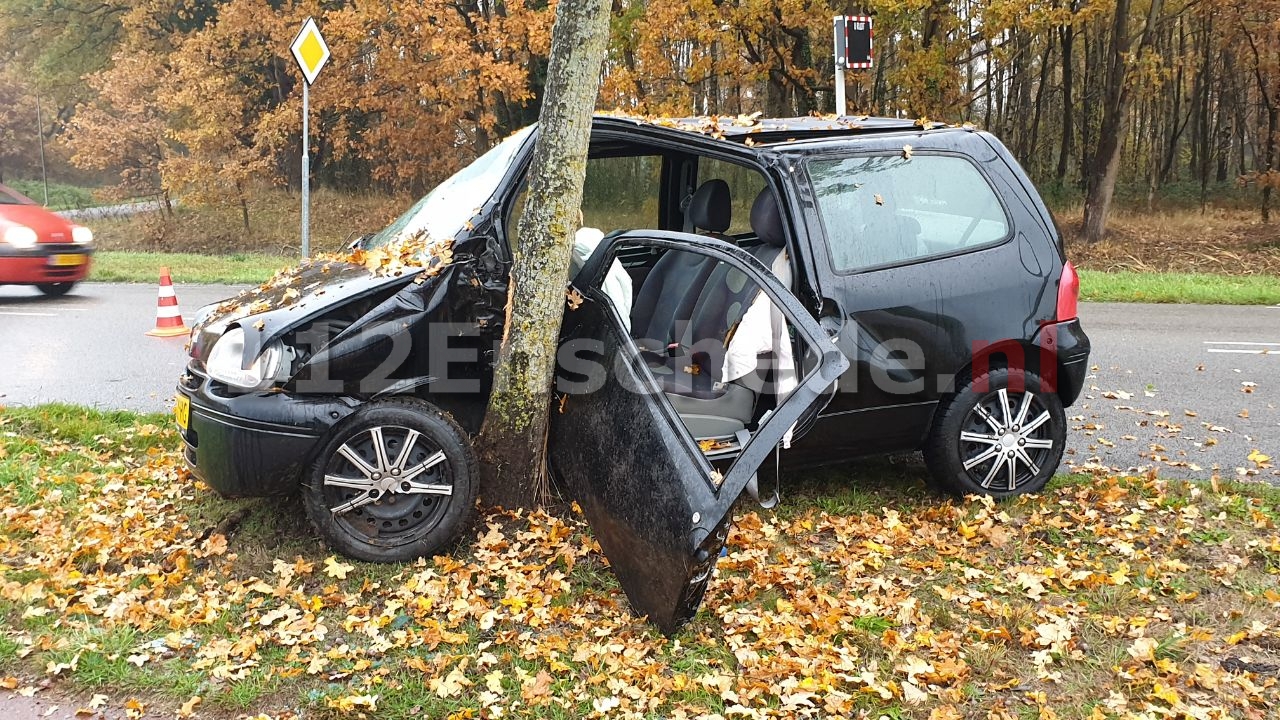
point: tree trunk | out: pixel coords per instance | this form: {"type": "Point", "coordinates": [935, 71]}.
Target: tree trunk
{"type": "Point", "coordinates": [244, 207]}
{"type": "Point", "coordinates": [512, 444]}
{"type": "Point", "coordinates": [1045, 63]}
{"type": "Point", "coordinates": [1066, 35]}
{"type": "Point", "coordinates": [1105, 166]}
{"type": "Point", "coordinates": [1273, 128]}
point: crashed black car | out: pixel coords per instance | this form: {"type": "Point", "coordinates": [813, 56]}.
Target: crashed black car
{"type": "Point", "coordinates": [811, 289]}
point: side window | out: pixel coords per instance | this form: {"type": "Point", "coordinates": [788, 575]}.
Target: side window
{"type": "Point", "coordinates": [887, 209]}
{"type": "Point", "coordinates": [622, 193]}
{"type": "Point", "coordinates": [744, 184]}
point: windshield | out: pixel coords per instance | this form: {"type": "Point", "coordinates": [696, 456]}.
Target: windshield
{"type": "Point", "coordinates": [447, 208]}
{"type": "Point", "coordinates": [9, 196]}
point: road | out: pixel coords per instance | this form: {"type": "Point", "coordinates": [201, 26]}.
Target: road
{"type": "Point", "coordinates": [1188, 389]}
{"type": "Point", "coordinates": [90, 346]}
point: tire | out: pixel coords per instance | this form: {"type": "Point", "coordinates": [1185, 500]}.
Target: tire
{"type": "Point", "coordinates": [396, 507]}
{"type": "Point", "coordinates": [56, 289]}
{"type": "Point", "coordinates": [976, 428]}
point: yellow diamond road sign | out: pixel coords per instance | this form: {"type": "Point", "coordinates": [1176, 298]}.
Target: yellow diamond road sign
{"type": "Point", "coordinates": [310, 50]}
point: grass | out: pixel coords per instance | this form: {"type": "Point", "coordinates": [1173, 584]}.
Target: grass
{"type": "Point", "coordinates": [111, 581]}
{"type": "Point", "coordinates": [274, 221]}
{"type": "Point", "coordinates": [144, 267]}
{"type": "Point", "coordinates": [1172, 287]}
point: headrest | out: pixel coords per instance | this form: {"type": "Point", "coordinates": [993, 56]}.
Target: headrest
{"type": "Point", "coordinates": [766, 220]}
{"type": "Point", "coordinates": [710, 208]}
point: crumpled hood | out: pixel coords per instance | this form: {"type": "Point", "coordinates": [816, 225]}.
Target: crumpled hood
{"type": "Point", "coordinates": [289, 300]}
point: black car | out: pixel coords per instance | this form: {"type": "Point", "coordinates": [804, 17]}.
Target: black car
{"type": "Point", "coordinates": [817, 288]}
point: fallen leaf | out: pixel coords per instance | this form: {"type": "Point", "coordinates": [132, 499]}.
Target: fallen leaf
{"type": "Point", "coordinates": [188, 708]}
{"type": "Point", "coordinates": [335, 569]}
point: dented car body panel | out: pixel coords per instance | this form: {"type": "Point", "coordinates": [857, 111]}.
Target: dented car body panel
{"type": "Point", "coordinates": [345, 333]}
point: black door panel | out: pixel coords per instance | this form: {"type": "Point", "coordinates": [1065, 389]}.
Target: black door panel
{"type": "Point", "coordinates": [659, 509]}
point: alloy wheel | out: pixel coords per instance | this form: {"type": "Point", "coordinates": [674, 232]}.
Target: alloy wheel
{"type": "Point", "coordinates": [389, 483]}
{"type": "Point", "coordinates": [1006, 439]}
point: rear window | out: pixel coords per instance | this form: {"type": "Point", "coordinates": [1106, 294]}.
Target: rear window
{"type": "Point", "coordinates": [888, 209]}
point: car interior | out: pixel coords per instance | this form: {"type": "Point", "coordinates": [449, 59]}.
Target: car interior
{"type": "Point", "coordinates": [688, 309]}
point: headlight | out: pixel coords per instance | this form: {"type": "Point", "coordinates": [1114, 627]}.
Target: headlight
{"type": "Point", "coordinates": [81, 235]}
{"type": "Point", "coordinates": [226, 359]}
{"type": "Point", "coordinates": [21, 237]}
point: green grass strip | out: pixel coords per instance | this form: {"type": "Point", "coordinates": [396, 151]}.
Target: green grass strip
{"type": "Point", "coordinates": [1193, 288]}
{"type": "Point", "coordinates": [144, 267]}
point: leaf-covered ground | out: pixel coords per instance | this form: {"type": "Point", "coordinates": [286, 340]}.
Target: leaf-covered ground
{"type": "Point", "coordinates": [130, 586]}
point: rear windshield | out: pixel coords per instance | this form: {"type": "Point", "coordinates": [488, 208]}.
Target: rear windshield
{"type": "Point", "coordinates": [890, 209]}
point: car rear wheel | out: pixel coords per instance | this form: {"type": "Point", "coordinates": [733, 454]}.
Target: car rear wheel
{"type": "Point", "coordinates": [56, 289]}
{"type": "Point", "coordinates": [397, 480]}
{"type": "Point", "coordinates": [1002, 434]}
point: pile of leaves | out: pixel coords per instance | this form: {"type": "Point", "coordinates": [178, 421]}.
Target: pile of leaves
{"type": "Point", "coordinates": [414, 253]}
{"type": "Point", "coordinates": [1107, 597]}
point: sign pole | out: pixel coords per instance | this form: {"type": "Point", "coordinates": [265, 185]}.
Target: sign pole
{"type": "Point", "coordinates": [855, 50]}
{"type": "Point", "coordinates": [840, 60]}
{"type": "Point", "coordinates": [311, 52]}
{"type": "Point", "coordinates": [306, 171]}
{"type": "Point", "coordinates": [44, 174]}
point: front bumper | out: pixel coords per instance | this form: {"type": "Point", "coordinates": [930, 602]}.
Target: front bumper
{"type": "Point", "coordinates": [255, 444]}
{"type": "Point", "coordinates": [1067, 342]}
{"type": "Point", "coordinates": [37, 265]}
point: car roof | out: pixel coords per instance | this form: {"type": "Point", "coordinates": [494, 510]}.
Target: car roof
{"type": "Point", "coordinates": [754, 130]}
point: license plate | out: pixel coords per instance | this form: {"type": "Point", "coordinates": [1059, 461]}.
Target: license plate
{"type": "Point", "coordinates": [182, 411]}
{"type": "Point", "coordinates": [66, 260]}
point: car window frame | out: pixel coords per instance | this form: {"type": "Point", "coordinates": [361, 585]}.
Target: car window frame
{"type": "Point", "coordinates": [700, 178]}
{"type": "Point", "coordinates": [589, 282]}
{"type": "Point", "coordinates": [1011, 227]}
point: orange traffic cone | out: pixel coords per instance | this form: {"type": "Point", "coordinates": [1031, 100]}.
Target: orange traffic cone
{"type": "Point", "coordinates": [168, 316]}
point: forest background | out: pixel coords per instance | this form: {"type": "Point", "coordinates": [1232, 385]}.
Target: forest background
{"type": "Point", "coordinates": [200, 103]}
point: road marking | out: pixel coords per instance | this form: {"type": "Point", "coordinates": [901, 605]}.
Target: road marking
{"type": "Point", "coordinates": [27, 314]}
{"type": "Point", "coordinates": [1238, 342]}
{"type": "Point", "coordinates": [1239, 347]}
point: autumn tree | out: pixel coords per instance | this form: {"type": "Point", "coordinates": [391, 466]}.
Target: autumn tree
{"type": "Point", "coordinates": [513, 440]}
{"type": "Point", "coordinates": [1105, 166]}
{"type": "Point", "coordinates": [200, 97]}
{"type": "Point", "coordinates": [17, 125]}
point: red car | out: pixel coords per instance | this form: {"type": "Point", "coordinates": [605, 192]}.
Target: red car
{"type": "Point", "coordinates": [39, 248]}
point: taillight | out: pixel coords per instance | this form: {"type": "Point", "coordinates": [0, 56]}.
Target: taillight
{"type": "Point", "coordinates": [1068, 293]}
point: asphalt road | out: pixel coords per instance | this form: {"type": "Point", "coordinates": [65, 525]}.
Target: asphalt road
{"type": "Point", "coordinates": [1188, 389]}
{"type": "Point", "coordinates": [90, 347]}
{"type": "Point", "coordinates": [1191, 390]}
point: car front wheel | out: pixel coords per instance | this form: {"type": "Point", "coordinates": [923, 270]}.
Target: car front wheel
{"type": "Point", "coordinates": [397, 480]}
{"type": "Point", "coordinates": [1002, 434]}
{"type": "Point", "coordinates": [56, 289]}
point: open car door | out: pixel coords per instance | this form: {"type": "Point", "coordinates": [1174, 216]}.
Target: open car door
{"type": "Point", "coordinates": [658, 506]}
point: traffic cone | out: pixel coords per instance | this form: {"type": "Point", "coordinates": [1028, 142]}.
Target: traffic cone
{"type": "Point", "coordinates": [168, 316]}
